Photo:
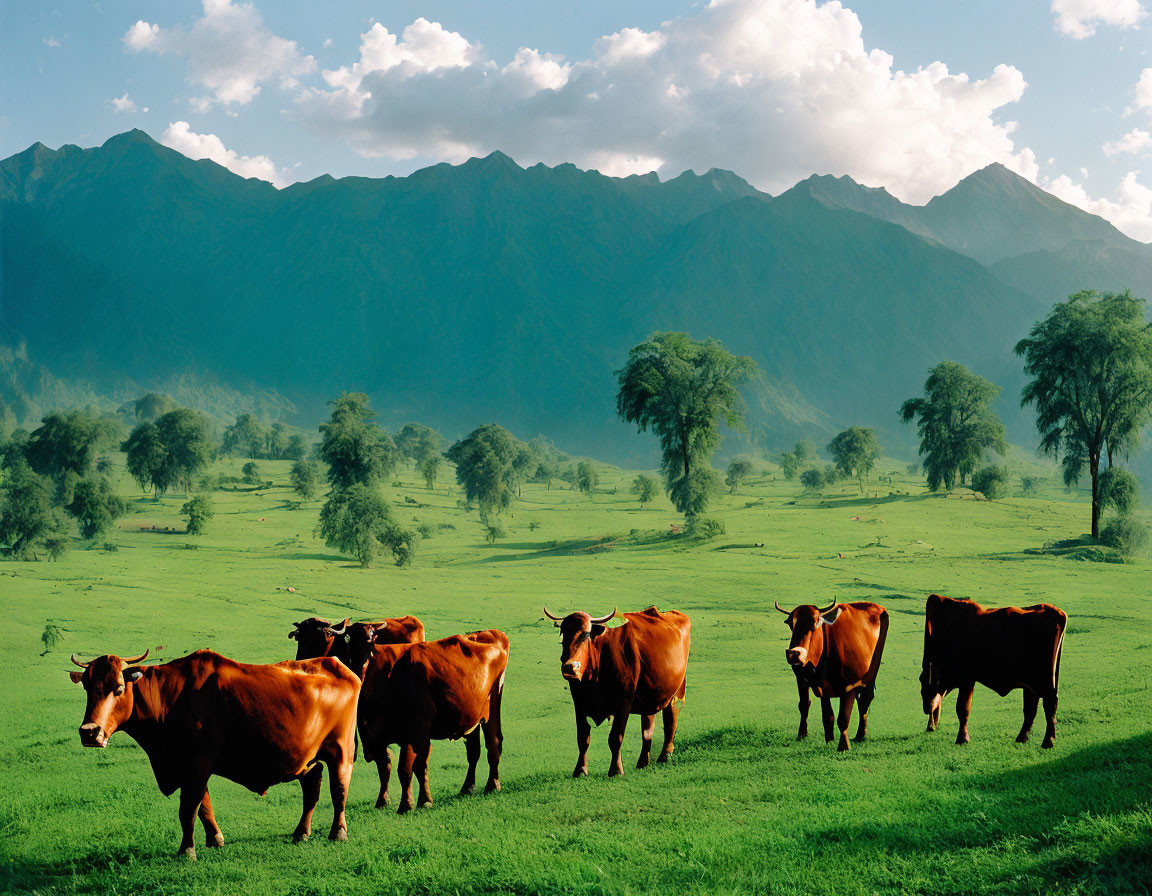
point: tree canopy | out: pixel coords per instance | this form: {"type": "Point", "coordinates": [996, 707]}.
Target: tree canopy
{"type": "Point", "coordinates": [356, 449]}
{"type": "Point", "coordinates": [854, 452]}
{"type": "Point", "coordinates": [683, 390]}
{"type": "Point", "coordinates": [169, 452]}
{"type": "Point", "coordinates": [358, 521]}
{"type": "Point", "coordinates": [1090, 361]}
{"type": "Point", "coordinates": [955, 422]}
{"type": "Point", "coordinates": [483, 462]}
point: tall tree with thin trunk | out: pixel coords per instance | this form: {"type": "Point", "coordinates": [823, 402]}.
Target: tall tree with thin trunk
{"type": "Point", "coordinates": [1090, 361]}
{"type": "Point", "coordinates": [682, 390]}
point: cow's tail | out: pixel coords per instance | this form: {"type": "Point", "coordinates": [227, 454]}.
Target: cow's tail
{"type": "Point", "coordinates": [878, 653]}
{"type": "Point", "coordinates": [1061, 627]}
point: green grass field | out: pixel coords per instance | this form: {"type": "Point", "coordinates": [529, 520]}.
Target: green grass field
{"type": "Point", "coordinates": [742, 808]}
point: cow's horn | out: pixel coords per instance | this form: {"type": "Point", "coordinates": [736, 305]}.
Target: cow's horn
{"type": "Point", "coordinates": [550, 616]}
{"type": "Point", "coordinates": [601, 620]}
{"type": "Point", "coordinates": [828, 608]}
{"type": "Point", "coordinates": [339, 631]}
{"type": "Point", "coordinates": [130, 661]}
{"type": "Point", "coordinates": [80, 664]}
{"type": "Point", "coordinates": [780, 608]}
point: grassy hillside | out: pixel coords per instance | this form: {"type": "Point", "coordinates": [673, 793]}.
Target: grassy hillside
{"type": "Point", "coordinates": [742, 808]}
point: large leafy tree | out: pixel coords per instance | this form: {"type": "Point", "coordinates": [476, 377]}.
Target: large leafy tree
{"type": "Point", "coordinates": [956, 423]}
{"type": "Point", "coordinates": [245, 436]}
{"type": "Point", "coordinates": [1090, 361]}
{"type": "Point", "coordinates": [29, 521]}
{"type": "Point", "coordinates": [145, 458]}
{"type": "Point", "coordinates": [95, 505]}
{"type": "Point", "coordinates": [358, 521]}
{"type": "Point", "coordinates": [417, 441]}
{"type": "Point", "coordinates": [354, 447]}
{"type": "Point", "coordinates": [484, 467]}
{"type": "Point", "coordinates": [169, 452]}
{"type": "Point", "coordinates": [66, 443]}
{"type": "Point", "coordinates": [683, 390]}
{"type": "Point", "coordinates": [854, 452]}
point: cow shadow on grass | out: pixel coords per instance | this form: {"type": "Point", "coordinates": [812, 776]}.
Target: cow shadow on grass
{"type": "Point", "coordinates": [1089, 808]}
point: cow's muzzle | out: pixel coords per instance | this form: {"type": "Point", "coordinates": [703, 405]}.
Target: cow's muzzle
{"type": "Point", "coordinates": [571, 670]}
{"type": "Point", "coordinates": [92, 735]}
{"type": "Point", "coordinates": [795, 656]}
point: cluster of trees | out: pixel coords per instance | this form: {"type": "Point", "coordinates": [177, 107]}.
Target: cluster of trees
{"type": "Point", "coordinates": [54, 476]}
{"type": "Point", "coordinates": [247, 437]}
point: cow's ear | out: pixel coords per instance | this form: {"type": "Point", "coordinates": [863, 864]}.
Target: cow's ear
{"type": "Point", "coordinates": [133, 674]}
{"type": "Point", "coordinates": [832, 615]}
{"type": "Point", "coordinates": [598, 630]}
{"type": "Point", "coordinates": [292, 635]}
{"type": "Point", "coordinates": [76, 675]}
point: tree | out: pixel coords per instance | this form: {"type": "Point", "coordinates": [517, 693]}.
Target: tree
{"type": "Point", "coordinates": [187, 445]}
{"type": "Point", "coordinates": [417, 441]}
{"type": "Point", "coordinates": [277, 441]}
{"type": "Point", "coordinates": [429, 468]}
{"type": "Point", "coordinates": [357, 521]}
{"type": "Point", "coordinates": [644, 488]}
{"type": "Point", "coordinates": [991, 481]}
{"type": "Point", "coordinates": [789, 466]}
{"type": "Point", "coordinates": [95, 505]}
{"type": "Point", "coordinates": [805, 450]}
{"type": "Point", "coordinates": [812, 480]}
{"type": "Point", "coordinates": [484, 467]}
{"type": "Point", "coordinates": [251, 473]}
{"type": "Point", "coordinates": [355, 449]}
{"type": "Point", "coordinates": [738, 471]}
{"type": "Point", "coordinates": [305, 479]}
{"type": "Point", "coordinates": [586, 477]}
{"type": "Point", "coordinates": [1090, 361]}
{"type": "Point", "coordinates": [1119, 489]}
{"type": "Point", "coordinates": [199, 511]}
{"type": "Point", "coordinates": [296, 448]}
{"type": "Point", "coordinates": [854, 452]}
{"type": "Point", "coordinates": [682, 390]}
{"type": "Point", "coordinates": [245, 436]}
{"type": "Point", "coordinates": [956, 424]}
{"type": "Point", "coordinates": [64, 443]}
{"type": "Point", "coordinates": [145, 458]}
{"type": "Point", "coordinates": [29, 523]}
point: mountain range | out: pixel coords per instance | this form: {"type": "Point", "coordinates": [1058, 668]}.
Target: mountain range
{"type": "Point", "coordinates": [488, 291]}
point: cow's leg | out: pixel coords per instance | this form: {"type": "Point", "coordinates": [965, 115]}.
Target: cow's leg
{"type": "Point", "coordinates": [827, 717]}
{"type": "Point", "coordinates": [422, 754]}
{"type": "Point", "coordinates": [191, 796]}
{"type": "Point", "coordinates": [647, 726]}
{"type": "Point", "coordinates": [1050, 702]}
{"type": "Point", "coordinates": [384, 768]}
{"type": "Point", "coordinates": [616, 740]}
{"type": "Point", "coordinates": [310, 783]}
{"type": "Point", "coordinates": [212, 834]}
{"type": "Point", "coordinates": [671, 720]}
{"type": "Point", "coordinates": [963, 710]}
{"type": "Point", "coordinates": [472, 746]}
{"type": "Point", "coordinates": [583, 737]}
{"type": "Point", "coordinates": [1031, 702]}
{"type": "Point", "coordinates": [844, 719]}
{"type": "Point", "coordinates": [494, 743]}
{"type": "Point", "coordinates": [404, 773]}
{"type": "Point", "coordinates": [339, 780]}
{"type": "Point", "coordinates": [805, 703]}
{"type": "Point", "coordinates": [864, 697]}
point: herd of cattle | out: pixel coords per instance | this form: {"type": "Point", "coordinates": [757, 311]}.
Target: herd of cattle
{"type": "Point", "coordinates": [259, 725]}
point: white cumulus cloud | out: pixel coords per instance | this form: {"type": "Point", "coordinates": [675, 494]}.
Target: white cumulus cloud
{"type": "Point", "coordinates": [1130, 209]}
{"type": "Point", "coordinates": [125, 105]}
{"type": "Point", "coordinates": [1135, 142]}
{"type": "Point", "coordinates": [773, 89]}
{"type": "Point", "coordinates": [1142, 94]}
{"type": "Point", "coordinates": [229, 51]}
{"type": "Point", "coordinates": [1079, 18]}
{"type": "Point", "coordinates": [180, 137]}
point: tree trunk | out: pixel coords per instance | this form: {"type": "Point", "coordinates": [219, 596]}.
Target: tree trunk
{"type": "Point", "coordinates": [1094, 467]}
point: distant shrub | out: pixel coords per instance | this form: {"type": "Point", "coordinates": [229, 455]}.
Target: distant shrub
{"type": "Point", "coordinates": [111, 547]}
{"type": "Point", "coordinates": [812, 480]}
{"type": "Point", "coordinates": [1119, 489]}
{"type": "Point", "coordinates": [1029, 485]}
{"type": "Point", "coordinates": [705, 527]}
{"type": "Point", "coordinates": [991, 481]}
{"type": "Point", "coordinates": [912, 469]}
{"type": "Point", "coordinates": [426, 530]}
{"type": "Point", "coordinates": [251, 473]}
{"type": "Point", "coordinates": [51, 636]}
{"type": "Point", "coordinates": [645, 488]}
{"type": "Point", "coordinates": [1127, 535]}
{"type": "Point", "coordinates": [494, 531]}
{"type": "Point", "coordinates": [199, 511]}
{"type": "Point", "coordinates": [533, 526]}
{"type": "Point", "coordinates": [55, 547]}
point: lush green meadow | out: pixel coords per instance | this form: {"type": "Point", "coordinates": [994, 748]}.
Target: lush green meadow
{"type": "Point", "coordinates": [742, 808]}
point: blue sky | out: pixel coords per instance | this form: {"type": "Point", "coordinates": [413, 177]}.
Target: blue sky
{"type": "Point", "coordinates": [906, 94]}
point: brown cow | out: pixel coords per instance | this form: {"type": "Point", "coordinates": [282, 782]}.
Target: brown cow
{"type": "Point", "coordinates": [1003, 649]}
{"type": "Point", "coordinates": [639, 668]}
{"type": "Point", "coordinates": [414, 694]}
{"type": "Point", "coordinates": [836, 651]}
{"type": "Point", "coordinates": [205, 715]}
{"type": "Point", "coordinates": [318, 637]}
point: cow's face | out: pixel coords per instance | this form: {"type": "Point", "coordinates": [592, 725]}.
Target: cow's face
{"type": "Point", "coordinates": [107, 681]}
{"type": "Point", "coordinates": [931, 692]}
{"type": "Point", "coordinates": [806, 647]}
{"type": "Point", "coordinates": [316, 637]}
{"type": "Point", "coordinates": [361, 642]}
{"type": "Point", "coordinates": [576, 633]}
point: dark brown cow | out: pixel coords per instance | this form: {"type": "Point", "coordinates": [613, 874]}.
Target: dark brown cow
{"type": "Point", "coordinates": [318, 637]}
{"type": "Point", "coordinates": [1003, 649]}
{"type": "Point", "coordinates": [205, 715]}
{"type": "Point", "coordinates": [414, 694]}
{"type": "Point", "coordinates": [639, 668]}
{"type": "Point", "coordinates": [836, 651]}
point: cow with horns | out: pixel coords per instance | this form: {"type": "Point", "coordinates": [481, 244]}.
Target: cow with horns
{"type": "Point", "coordinates": [1003, 649]}
{"type": "Point", "coordinates": [205, 715]}
{"type": "Point", "coordinates": [835, 651]}
{"type": "Point", "coordinates": [639, 668]}
{"type": "Point", "coordinates": [318, 637]}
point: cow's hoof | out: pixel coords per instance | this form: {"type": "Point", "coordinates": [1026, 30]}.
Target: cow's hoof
{"type": "Point", "coordinates": [467, 789]}
{"type": "Point", "coordinates": [340, 834]}
{"type": "Point", "coordinates": [300, 836]}
{"type": "Point", "coordinates": [1049, 743]}
{"type": "Point", "coordinates": [492, 787]}
{"type": "Point", "coordinates": [930, 728]}
{"type": "Point", "coordinates": [843, 746]}
{"type": "Point", "coordinates": [962, 739]}
{"type": "Point", "coordinates": [642, 762]}
{"type": "Point", "coordinates": [404, 809]}
{"type": "Point", "coordinates": [802, 735]}
{"type": "Point", "coordinates": [188, 852]}
{"type": "Point", "coordinates": [615, 772]}
{"type": "Point", "coordinates": [858, 739]}
{"type": "Point", "coordinates": [580, 772]}
{"type": "Point", "coordinates": [381, 802]}
{"type": "Point", "coordinates": [664, 757]}
{"type": "Point", "coordinates": [214, 842]}
{"type": "Point", "coordinates": [424, 804]}
{"type": "Point", "coordinates": [1021, 738]}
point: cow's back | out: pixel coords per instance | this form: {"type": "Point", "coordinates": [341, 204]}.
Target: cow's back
{"type": "Point", "coordinates": [856, 643]}
{"type": "Point", "coordinates": [660, 643]}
